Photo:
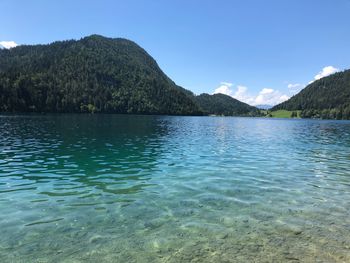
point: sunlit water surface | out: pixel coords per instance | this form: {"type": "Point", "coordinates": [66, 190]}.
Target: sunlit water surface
{"type": "Point", "coordinates": [109, 188]}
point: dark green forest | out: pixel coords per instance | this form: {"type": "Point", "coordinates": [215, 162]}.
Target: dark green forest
{"type": "Point", "coordinates": [220, 104]}
{"type": "Point", "coordinates": [113, 75]}
{"type": "Point", "coordinates": [94, 74]}
{"type": "Point", "coordinates": [327, 98]}
{"type": "Point", "coordinates": [98, 75]}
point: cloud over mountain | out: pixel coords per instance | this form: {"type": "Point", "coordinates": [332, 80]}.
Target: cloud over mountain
{"type": "Point", "coordinates": [266, 96]}
{"type": "Point", "coordinates": [8, 44]}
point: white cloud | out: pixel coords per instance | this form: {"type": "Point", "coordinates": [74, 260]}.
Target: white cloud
{"type": "Point", "coordinates": [270, 97]}
{"type": "Point", "coordinates": [266, 91]}
{"type": "Point", "coordinates": [295, 88]}
{"type": "Point", "coordinates": [226, 84]}
{"type": "Point", "coordinates": [326, 71]}
{"type": "Point", "coordinates": [265, 96]}
{"type": "Point", "coordinates": [224, 88]}
{"type": "Point", "coordinates": [284, 98]}
{"type": "Point", "coordinates": [242, 94]}
{"type": "Point", "coordinates": [8, 44]}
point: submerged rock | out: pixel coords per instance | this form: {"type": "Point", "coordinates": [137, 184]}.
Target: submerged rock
{"type": "Point", "coordinates": [95, 239]}
{"type": "Point", "coordinates": [297, 232]}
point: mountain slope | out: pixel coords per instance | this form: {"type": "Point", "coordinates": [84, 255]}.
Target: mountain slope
{"type": "Point", "coordinates": [94, 74]}
{"type": "Point", "coordinates": [327, 98]}
{"type": "Point", "coordinates": [220, 104]}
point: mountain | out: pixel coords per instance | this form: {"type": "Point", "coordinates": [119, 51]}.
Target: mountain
{"type": "Point", "coordinates": [220, 104]}
{"type": "Point", "coordinates": [264, 106]}
{"type": "Point", "coordinates": [327, 98]}
{"type": "Point", "coordinates": [93, 74]}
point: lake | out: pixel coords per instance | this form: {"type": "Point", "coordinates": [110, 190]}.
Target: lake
{"type": "Point", "coordinates": [114, 188]}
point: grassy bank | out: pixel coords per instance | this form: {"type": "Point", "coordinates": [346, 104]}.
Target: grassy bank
{"type": "Point", "coordinates": [282, 114]}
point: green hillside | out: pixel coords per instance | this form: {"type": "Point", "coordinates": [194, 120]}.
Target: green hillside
{"type": "Point", "coordinates": [94, 74]}
{"type": "Point", "coordinates": [327, 98]}
{"type": "Point", "coordinates": [220, 104]}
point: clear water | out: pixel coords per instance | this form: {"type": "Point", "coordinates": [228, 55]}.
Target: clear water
{"type": "Point", "coordinates": [109, 188]}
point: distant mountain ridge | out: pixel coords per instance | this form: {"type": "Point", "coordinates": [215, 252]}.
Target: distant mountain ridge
{"type": "Point", "coordinates": [327, 98]}
{"type": "Point", "coordinates": [264, 106]}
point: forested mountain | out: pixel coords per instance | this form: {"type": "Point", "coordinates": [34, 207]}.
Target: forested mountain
{"type": "Point", "coordinates": [220, 104]}
{"type": "Point", "coordinates": [327, 98]}
{"type": "Point", "coordinates": [94, 74]}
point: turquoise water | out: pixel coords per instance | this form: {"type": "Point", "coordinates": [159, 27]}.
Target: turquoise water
{"type": "Point", "coordinates": [109, 188]}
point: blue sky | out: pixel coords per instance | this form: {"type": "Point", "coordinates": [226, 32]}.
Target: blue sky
{"type": "Point", "coordinates": [252, 49]}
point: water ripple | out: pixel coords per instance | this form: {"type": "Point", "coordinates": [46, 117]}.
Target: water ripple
{"type": "Point", "coordinates": [172, 189]}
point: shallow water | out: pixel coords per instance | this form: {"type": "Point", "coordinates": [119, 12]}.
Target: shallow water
{"type": "Point", "coordinates": [110, 188]}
